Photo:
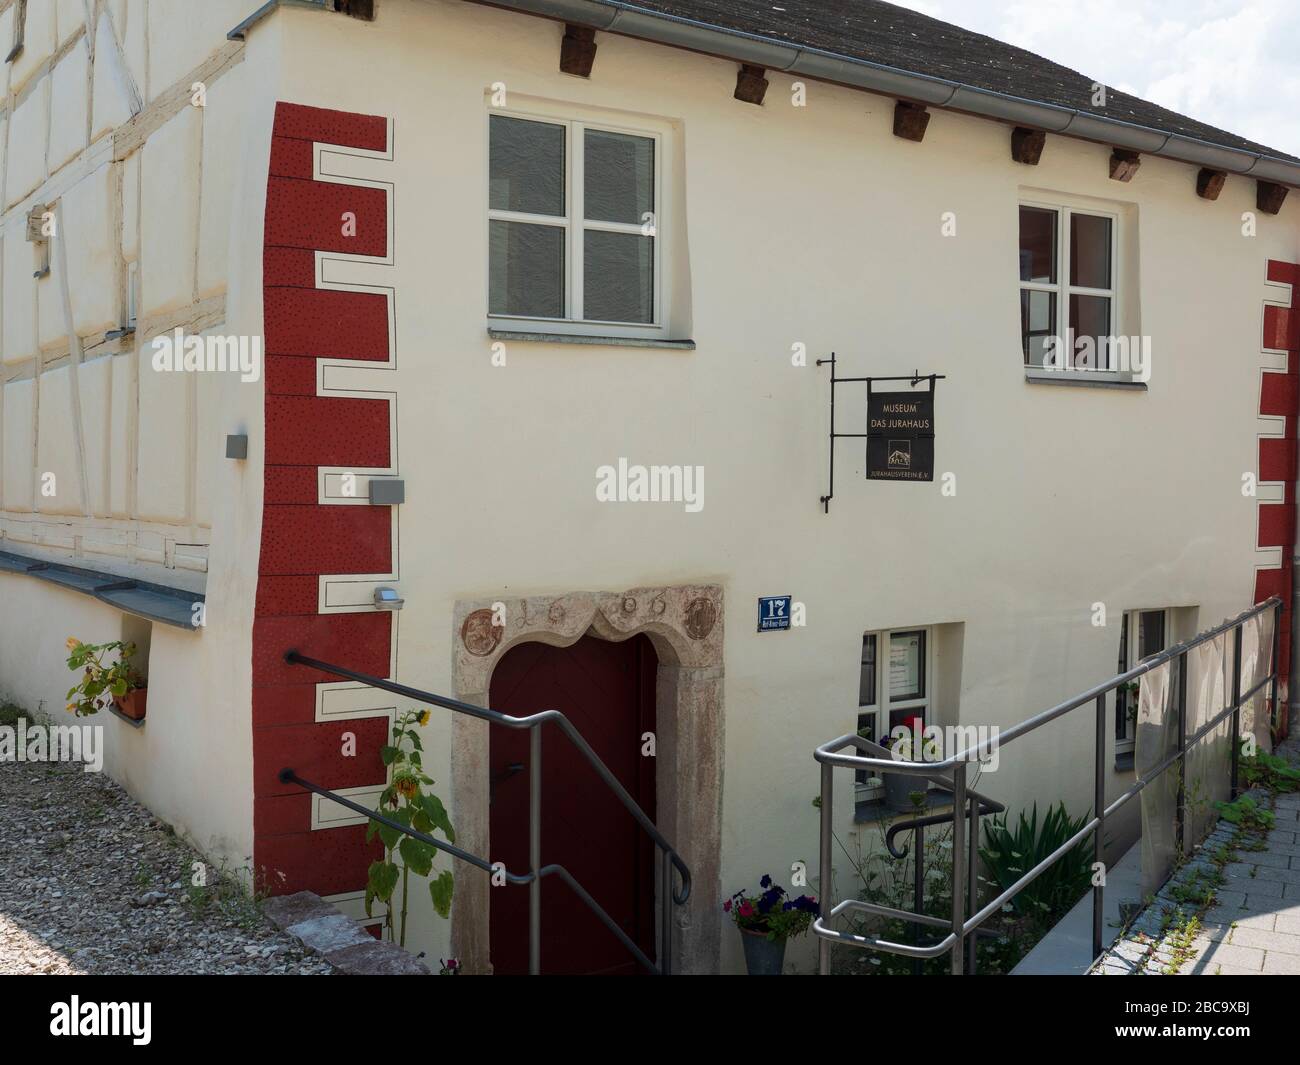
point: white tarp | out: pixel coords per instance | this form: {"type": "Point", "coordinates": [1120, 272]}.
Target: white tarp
{"type": "Point", "coordinates": [1209, 762]}
{"type": "Point", "coordinates": [1156, 739]}
{"type": "Point", "coordinates": [1256, 664]}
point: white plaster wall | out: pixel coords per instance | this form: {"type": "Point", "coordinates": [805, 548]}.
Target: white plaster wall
{"type": "Point", "coordinates": [66, 122]}
{"type": "Point", "coordinates": [144, 488]}
{"type": "Point", "coordinates": [169, 227]}
{"type": "Point", "coordinates": [812, 226]}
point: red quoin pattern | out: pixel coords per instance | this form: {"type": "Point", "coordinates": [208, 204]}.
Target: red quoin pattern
{"type": "Point", "coordinates": [1279, 392]}
{"type": "Point", "coordinates": [302, 539]}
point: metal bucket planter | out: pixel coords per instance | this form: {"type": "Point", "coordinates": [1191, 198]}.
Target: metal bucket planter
{"type": "Point", "coordinates": [763, 956]}
{"type": "Point", "coordinates": [898, 791]}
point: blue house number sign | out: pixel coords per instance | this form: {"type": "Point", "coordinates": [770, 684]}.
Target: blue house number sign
{"type": "Point", "coordinates": [773, 612]}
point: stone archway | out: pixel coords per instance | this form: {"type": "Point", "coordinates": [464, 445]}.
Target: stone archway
{"type": "Point", "coordinates": [685, 624]}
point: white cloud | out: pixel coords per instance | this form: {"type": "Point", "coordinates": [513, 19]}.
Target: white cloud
{"type": "Point", "coordinates": [1230, 63]}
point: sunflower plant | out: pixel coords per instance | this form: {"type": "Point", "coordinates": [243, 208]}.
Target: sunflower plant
{"type": "Point", "coordinates": [406, 802]}
{"type": "Point", "coordinates": [100, 681]}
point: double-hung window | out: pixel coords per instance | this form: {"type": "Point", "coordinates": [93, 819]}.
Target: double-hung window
{"type": "Point", "coordinates": [1068, 288]}
{"type": "Point", "coordinates": [1143, 634]}
{"type": "Point", "coordinates": [894, 684]}
{"type": "Point", "coordinates": [573, 226]}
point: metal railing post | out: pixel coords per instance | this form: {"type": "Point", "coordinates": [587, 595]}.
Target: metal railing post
{"type": "Point", "coordinates": [1236, 705]}
{"type": "Point", "coordinates": [1099, 811]}
{"type": "Point", "coordinates": [1275, 713]}
{"type": "Point", "coordinates": [1180, 808]}
{"type": "Point", "coordinates": [918, 892]}
{"type": "Point", "coordinates": [958, 866]}
{"type": "Point", "coordinates": [972, 876]}
{"type": "Point", "coordinates": [666, 915]}
{"type": "Point", "coordinates": [535, 851]}
{"type": "Point", "coordinates": [824, 867]}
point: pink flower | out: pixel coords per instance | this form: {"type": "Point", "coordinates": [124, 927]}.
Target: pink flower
{"type": "Point", "coordinates": [726, 906]}
{"type": "Point", "coordinates": [746, 909]}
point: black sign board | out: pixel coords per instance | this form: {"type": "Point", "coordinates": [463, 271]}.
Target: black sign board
{"type": "Point", "coordinates": [900, 436]}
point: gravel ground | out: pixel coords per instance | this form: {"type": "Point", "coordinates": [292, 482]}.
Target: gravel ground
{"type": "Point", "coordinates": [91, 882]}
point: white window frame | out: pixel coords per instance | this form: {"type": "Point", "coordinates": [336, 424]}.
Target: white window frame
{"type": "Point", "coordinates": [883, 706]}
{"type": "Point", "coordinates": [1064, 290]}
{"type": "Point", "coordinates": [1132, 632]}
{"type": "Point", "coordinates": [576, 122]}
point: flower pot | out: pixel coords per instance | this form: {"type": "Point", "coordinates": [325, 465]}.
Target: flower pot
{"type": "Point", "coordinates": [132, 704]}
{"type": "Point", "coordinates": [898, 791]}
{"type": "Point", "coordinates": [763, 956]}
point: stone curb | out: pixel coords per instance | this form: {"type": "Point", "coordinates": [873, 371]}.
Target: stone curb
{"type": "Point", "coordinates": [343, 943]}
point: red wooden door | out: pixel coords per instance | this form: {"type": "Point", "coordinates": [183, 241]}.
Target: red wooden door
{"type": "Point", "coordinates": [608, 691]}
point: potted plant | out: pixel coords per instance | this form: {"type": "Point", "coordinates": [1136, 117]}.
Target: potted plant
{"type": "Point", "coordinates": [904, 791]}
{"type": "Point", "coordinates": [117, 682]}
{"type": "Point", "coordinates": [766, 922]}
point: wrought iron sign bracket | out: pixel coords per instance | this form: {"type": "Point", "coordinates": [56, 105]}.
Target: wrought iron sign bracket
{"type": "Point", "coordinates": [915, 379]}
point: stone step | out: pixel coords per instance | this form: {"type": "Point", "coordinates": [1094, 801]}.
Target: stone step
{"type": "Point", "coordinates": [323, 930]}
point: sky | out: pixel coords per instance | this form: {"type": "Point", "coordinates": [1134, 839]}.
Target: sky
{"type": "Point", "coordinates": [1232, 63]}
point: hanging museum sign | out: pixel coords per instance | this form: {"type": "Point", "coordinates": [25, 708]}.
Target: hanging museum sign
{"type": "Point", "coordinates": [900, 436]}
{"type": "Point", "coordinates": [900, 429]}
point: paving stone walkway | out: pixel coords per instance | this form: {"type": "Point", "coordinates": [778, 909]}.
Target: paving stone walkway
{"type": "Point", "coordinates": [1234, 909]}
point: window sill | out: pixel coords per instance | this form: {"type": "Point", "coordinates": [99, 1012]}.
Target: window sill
{"type": "Point", "coordinates": [530, 337]}
{"type": "Point", "coordinates": [171, 606]}
{"type": "Point", "coordinates": [870, 810]}
{"type": "Point", "coordinates": [122, 717]}
{"type": "Point", "coordinates": [1052, 378]}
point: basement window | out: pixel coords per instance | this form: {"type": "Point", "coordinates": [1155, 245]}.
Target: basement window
{"type": "Point", "coordinates": [575, 217]}
{"type": "Point", "coordinates": [894, 685]}
{"type": "Point", "coordinates": [1144, 633]}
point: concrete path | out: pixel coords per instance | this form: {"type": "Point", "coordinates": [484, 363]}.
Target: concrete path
{"type": "Point", "coordinates": [1233, 909]}
{"type": "Point", "coordinates": [1254, 926]}
{"type": "Point", "coordinates": [1067, 949]}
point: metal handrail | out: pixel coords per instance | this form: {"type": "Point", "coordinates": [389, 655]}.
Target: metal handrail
{"type": "Point", "coordinates": [987, 806]}
{"type": "Point", "coordinates": [669, 895]}
{"type": "Point", "coordinates": [288, 776]}
{"type": "Point", "coordinates": [967, 805]}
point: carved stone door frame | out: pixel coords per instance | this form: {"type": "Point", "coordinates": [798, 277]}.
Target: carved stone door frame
{"type": "Point", "coordinates": [684, 622]}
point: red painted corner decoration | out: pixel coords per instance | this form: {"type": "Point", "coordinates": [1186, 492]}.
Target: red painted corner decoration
{"type": "Point", "coordinates": [1279, 392]}
{"type": "Point", "coordinates": [303, 539]}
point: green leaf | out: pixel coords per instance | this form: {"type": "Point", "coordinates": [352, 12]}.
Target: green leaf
{"type": "Point", "coordinates": [415, 742]}
{"type": "Point", "coordinates": [440, 890]}
{"type": "Point", "coordinates": [437, 813]}
{"type": "Point", "coordinates": [389, 836]}
{"type": "Point", "coordinates": [389, 754]}
{"type": "Point", "coordinates": [383, 879]}
{"type": "Point", "coordinates": [418, 856]}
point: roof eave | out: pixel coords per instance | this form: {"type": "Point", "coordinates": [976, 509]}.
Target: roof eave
{"type": "Point", "coordinates": [743, 47]}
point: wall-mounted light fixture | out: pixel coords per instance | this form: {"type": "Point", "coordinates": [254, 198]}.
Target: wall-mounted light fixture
{"type": "Point", "coordinates": [388, 599]}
